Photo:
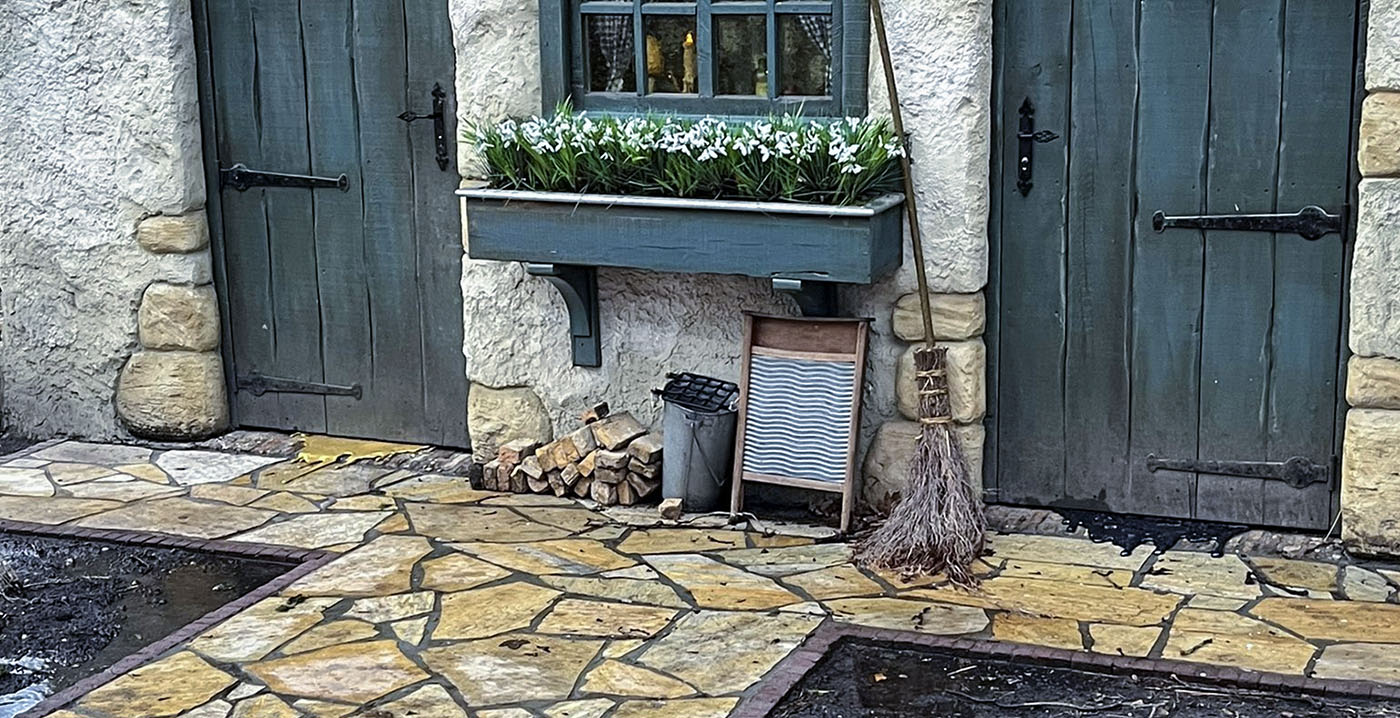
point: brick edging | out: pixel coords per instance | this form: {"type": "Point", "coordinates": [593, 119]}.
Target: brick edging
{"type": "Point", "coordinates": [305, 560]}
{"type": "Point", "coordinates": [791, 670]}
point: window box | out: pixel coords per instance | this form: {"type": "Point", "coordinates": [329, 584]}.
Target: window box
{"type": "Point", "coordinates": [564, 236]}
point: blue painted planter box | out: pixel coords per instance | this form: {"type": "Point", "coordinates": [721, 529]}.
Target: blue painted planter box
{"type": "Point", "coordinates": [856, 245]}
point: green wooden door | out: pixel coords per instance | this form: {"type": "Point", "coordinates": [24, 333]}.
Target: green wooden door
{"type": "Point", "coordinates": [344, 312]}
{"type": "Point", "coordinates": [1116, 344]}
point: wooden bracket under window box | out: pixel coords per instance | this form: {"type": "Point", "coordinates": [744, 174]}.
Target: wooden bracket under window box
{"type": "Point", "coordinates": [802, 248]}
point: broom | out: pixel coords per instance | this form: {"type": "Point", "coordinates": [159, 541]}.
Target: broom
{"type": "Point", "coordinates": [938, 526]}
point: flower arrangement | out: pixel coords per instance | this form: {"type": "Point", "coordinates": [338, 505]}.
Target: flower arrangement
{"type": "Point", "coordinates": [782, 158]}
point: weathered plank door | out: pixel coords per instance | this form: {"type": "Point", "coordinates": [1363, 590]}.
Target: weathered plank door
{"type": "Point", "coordinates": [343, 302]}
{"type": "Point", "coordinates": [1127, 360]}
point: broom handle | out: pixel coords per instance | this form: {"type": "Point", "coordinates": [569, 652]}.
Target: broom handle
{"type": "Point", "coordinates": [909, 204]}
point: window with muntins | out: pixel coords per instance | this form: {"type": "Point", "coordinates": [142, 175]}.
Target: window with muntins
{"type": "Point", "coordinates": [706, 57]}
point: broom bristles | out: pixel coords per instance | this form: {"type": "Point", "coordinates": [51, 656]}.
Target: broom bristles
{"type": "Point", "coordinates": [938, 526]}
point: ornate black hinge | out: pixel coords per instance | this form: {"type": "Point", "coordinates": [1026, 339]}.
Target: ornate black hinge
{"type": "Point", "coordinates": [439, 118]}
{"type": "Point", "coordinates": [1298, 471]}
{"type": "Point", "coordinates": [1028, 138]}
{"type": "Point", "coordinates": [1311, 222]}
{"type": "Point", "coordinates": [257, 385]}
{"type": "Point", "coordinates": [241, 178]}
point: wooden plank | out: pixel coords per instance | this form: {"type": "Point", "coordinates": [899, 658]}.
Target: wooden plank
{"type": "Point", "coordinates": [857, 250]}
{"type": "Point", "coordinates": [990, 475]}
{"type": "Point", "coordinates": [1103, 103]}
{"type": "Point", "coordinates": [243, 221]}
{"type": "Point", "coordinates": [1030, 395]}
{"type": "Point", "coordinates": [1308, 276]}
{"type": "Point", "coordinates": [808, 336]}
{"type": "Point", "coordinates": [439, 231]}
{"type": "Point", "coordinates": [1236, 345]}
{"type": "Point", "coordinates": [338, 224]}
{"type": "Point", "coordinates": [1173, 118]}
{"type": "Point", "coordinates": [396, 347]}
{"type": "Point", "coordinates": [280, 103]}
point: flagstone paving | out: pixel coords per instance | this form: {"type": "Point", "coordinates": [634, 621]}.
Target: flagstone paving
{"type": "Point", "coordinates": [451, 602]}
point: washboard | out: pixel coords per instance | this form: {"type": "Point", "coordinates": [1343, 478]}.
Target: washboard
{"type": "Point", "coordinates": [799, 406]}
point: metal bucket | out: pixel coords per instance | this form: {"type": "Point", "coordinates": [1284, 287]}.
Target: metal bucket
{"type": "Point", "coordinates": [699, 453]}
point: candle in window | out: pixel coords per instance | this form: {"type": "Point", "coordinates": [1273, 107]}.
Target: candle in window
{"type": "Point", "coordinates": [688, 62]}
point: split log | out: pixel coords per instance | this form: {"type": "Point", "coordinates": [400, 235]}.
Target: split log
{"type": "Point", "coordinates": [611, 459]}
{"type": "Point", "coordinates": [556, 483]}
{"type": "Point", "coordinates": [582, 441]}
{"type": "Point", "coordinates": [569, 475]}
{"type": "Point", "coordinates": [651, 471]}
{"type": "Point", "coordinates": [646, 448]}
{"type": "Point", "coordinates": [605, 494]}
{"type": "Point", "coordinates": [614, 432]}
{"type": "Point", "coordinates": [670, 509]}
{"type": "Point", "coordinates": [554, 455]}
{"type": "Point", "coordinates": [642, 485]}
{"type": "Point", "coordinates": [626, 495]}
{"type": "Point", "coordinates": [609, 476]}
{"type": "Point", "coordinates": [489, 471]}
{"type": "Point", "coordinates": [583, 486]}
{"type": "Point", "coordinates": [514, 452]}
{"type": "Point", "coordinates": [541, 484]}
{"type": "Point", "coordinates": [587, 463]}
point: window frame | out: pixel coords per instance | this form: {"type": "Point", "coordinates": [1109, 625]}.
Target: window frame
{"type": "Point", "coordinates": [562, 65]}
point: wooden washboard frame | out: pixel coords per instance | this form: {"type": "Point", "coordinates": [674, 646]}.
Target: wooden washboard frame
{"type": "Point", "coordinates": [835, 342]}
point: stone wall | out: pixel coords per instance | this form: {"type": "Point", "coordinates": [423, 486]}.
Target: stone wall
{"type": "Point", "coordinates": [101, 132]}
{"type": "Point", "coordinates": [516, 328]}
{"type": "Point", "coordinates": [1370, 459]}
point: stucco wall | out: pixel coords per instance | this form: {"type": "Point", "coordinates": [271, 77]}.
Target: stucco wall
{"type": "Point", "coordinates": [653, 323]}
{"type": "Point", "coordinates": [101, 130]}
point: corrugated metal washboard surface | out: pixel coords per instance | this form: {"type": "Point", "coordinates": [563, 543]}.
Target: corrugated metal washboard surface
{"type": "Point", "coordinates": [799, 420]}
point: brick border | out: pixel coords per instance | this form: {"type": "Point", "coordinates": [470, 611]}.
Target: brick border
{"type": "Point", "coordinates": [301, 561]}
{"type": "Point", "coordinates": [791, 670]}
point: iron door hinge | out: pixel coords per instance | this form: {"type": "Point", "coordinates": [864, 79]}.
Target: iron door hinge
{"type": "Point", "coordinates": [257, 385]}
{"type": "Point", "coordinates": [439, 118]}
{"type": "Point", "coordinates": [241, 178]}
{"type": "Point", "coordinates": [1310, 223]}
{"type": "Point", "coordinates": [1298, 471]}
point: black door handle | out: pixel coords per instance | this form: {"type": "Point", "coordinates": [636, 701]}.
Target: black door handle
{"type": "Point", "coordinates": [1311, 222]}
{"type": "Point", "coordinates": [1028, 138]}
{"type": "Point", "coordinates": [439, 118]}
{"type": "Point", "coordinates": [241, 178]}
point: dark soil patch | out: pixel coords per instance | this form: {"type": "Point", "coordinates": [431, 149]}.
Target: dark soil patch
{"type": "Point", "coordinates": [865, 679]}
{"type": "Point", "coordinates": [71, 608]}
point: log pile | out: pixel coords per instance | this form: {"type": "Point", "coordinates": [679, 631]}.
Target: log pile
{"type": "Point", "coordinates": [612, 459]}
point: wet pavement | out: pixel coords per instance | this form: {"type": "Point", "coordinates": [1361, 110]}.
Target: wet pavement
{"type": "Point", "coordinates": [450, 602]}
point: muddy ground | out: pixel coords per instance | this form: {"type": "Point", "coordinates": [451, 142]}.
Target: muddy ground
{"type": "Point", "coordinates": [70, 608]}
{"type": "Point", "coordinates": [862, 679]}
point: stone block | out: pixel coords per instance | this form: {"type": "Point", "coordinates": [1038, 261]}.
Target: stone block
{"type": "Point", "coordinates": [1375, 280]}
{"type": "Point", "coordinates": [1373, 382]}
{"type": "Point", "coordinates": [179, 234]}
{"type": "Point", "coordinates": [173, 395]}
{"type": "Point", "coordinates": [1371, 482]}
{"type": "Point", "coordinates": [967, 385]}
{"type": "Point", "coordinates": [1378, 149]}
{"type": "Point", "coordinates": [886, 468]}
{"type": "Point", "coordinates": [1383, 46]}
{"type": "Point", "coordinates": [175, 317]}
{"type": "Point", "coordinates": [497, 416]}
{"type": "Point", "coordinates": [955, 316]}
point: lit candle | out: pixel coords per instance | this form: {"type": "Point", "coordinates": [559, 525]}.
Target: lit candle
{"type": "Point", "coordinates": [688, 61]}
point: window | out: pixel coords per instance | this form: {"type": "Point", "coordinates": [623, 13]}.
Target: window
{"type": "Point", "coordinates": [714, 57]}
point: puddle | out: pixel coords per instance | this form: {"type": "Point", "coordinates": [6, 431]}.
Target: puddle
{"type": "Point", "coordinates": [71, 608]}
{"type": "Point", "coordinates": [1128, 532]}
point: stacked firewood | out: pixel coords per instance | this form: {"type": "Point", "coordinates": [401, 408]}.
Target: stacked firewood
{"type": "Point", "coordinates": [612, 459]}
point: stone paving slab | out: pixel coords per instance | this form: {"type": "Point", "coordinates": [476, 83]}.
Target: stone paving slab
{"type": "Point", "coordinates": [450, 602]}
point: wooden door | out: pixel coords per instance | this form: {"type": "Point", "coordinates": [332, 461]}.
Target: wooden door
{"type": "Point", "coordinates": [1117, 345]}
{"type": "Point", "coordinates": [343, 302]}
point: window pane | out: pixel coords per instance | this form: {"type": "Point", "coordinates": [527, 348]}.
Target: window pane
{"type": "Point", "coordinates": [670, 53]}
{"type": "Point", "coordinates": [611, 65]}
{"type": "Point", "coordinates": [804, 54]}
{"type": "Point", "coordinates": [741, 44]}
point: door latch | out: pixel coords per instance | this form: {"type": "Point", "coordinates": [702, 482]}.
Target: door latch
{"type": "Point", "coordinates": [1310, 223]}
{"type": "Point", "coordinates": [439, 118]}
{"type": "Point", "coordinates": [1028, 138]}
{"type": "Point", "coordinates": [258, 384]}
{"type": "Point", "coordinates": [1297, 471]}
{"type": "Point", "coordinates": [241, 178]}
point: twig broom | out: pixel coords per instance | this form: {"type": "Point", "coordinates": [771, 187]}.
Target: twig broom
{"type": "Point", "coordinates": [938, 526]}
